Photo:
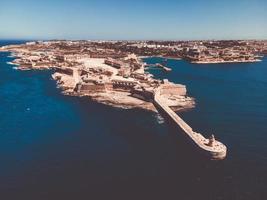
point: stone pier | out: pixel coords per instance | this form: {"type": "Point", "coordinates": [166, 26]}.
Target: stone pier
{"type": "Point", "coordinates": [211, 147]}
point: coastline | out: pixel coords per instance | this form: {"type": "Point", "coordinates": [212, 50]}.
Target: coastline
{"type": "Point", "coordinates": [204, 62]}
{"type": "Point", "coordinates": [158, 56]}
{"type": "Point", "coordinates": [225, 62]}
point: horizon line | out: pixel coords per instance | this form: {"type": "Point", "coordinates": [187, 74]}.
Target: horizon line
{"type": "Point", "coordinates": [173, 40]}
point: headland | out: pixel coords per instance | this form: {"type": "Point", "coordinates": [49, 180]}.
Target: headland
{"type": "Point", "coordinates": [106, 75]}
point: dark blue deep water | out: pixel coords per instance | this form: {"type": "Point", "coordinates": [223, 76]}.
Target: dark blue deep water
{"type": "Point", "coordinates": [59, 147]}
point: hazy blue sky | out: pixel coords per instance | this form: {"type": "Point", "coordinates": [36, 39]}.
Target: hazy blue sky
{"type": "Point", "coordinates": [136, 19]}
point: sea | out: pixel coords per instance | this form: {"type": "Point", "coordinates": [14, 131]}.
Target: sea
{"type": "Point", "coordinates": [59, 147]}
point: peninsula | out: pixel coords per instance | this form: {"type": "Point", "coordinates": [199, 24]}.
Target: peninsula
{"type": "Point", "coordinates": [112, 76]}
{"type": "Point", "coordinates": [105, 74]}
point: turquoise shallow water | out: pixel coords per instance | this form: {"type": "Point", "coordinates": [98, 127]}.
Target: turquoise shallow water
{"type": "Point", "coordinates": [58, 147]}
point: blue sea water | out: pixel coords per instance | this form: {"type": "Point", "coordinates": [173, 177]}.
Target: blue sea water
{"type": "Point", "coordinates": [59, 147]}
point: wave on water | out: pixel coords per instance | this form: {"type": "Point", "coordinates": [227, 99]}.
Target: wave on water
{"type": "Point", "coordinates": [11, 63]}
{"type": "Point", "coordinates": [14, 65]}
{"type": "Point", "coordinates": [159, 118]}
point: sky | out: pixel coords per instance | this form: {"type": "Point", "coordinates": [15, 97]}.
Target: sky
{"type": "Point", "coordinates": [133, 20]}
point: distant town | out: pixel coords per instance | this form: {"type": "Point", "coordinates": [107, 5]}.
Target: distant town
{"type": "Point", "coordinates": [194, 51]}
{"type": "Point", "coordinates": [204, 52]}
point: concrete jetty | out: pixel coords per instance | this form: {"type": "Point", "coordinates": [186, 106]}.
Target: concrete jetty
{"type": "Point", "coordinates": [166, 69]}
{"type": "Point", "coordinates": [214, 149]}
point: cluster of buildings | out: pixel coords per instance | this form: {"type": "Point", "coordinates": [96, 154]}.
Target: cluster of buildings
{"type": "Point", "coordinates": [221, 52]}
{"type": "Point", "coordinates": [193, 51]}
{"type": "Point", "coordinates": [204, 51]}
{"type": "Point", "coordinates": [126, 75]}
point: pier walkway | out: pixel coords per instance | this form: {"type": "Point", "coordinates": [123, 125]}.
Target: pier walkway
{"type": "Point", "coordinates": [212, 148]}
{"type": "Point", "coordinates": [161, 66]}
